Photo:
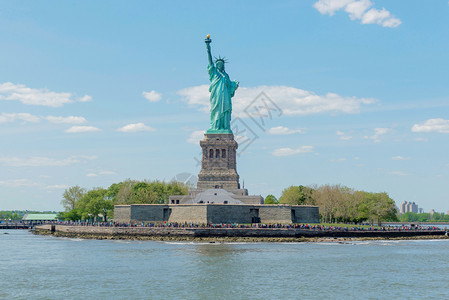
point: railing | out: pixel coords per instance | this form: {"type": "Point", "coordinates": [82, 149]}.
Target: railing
{"type": "Point", "coordinates": [16, 226]}
{"type": "Point", "coordinates": [24, 225]}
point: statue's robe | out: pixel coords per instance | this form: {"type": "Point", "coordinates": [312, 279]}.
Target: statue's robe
{"type": "Point", "coordinates": [221, 90]}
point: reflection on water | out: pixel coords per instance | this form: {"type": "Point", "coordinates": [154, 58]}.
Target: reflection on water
{"type": "Point", "coordinates": [217, 249]}
{"type": "Point", "coordinates": [53, 268]}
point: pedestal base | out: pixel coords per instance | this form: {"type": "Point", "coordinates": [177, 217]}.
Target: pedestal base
{"type": "Point", "coordinates": [218, 164]}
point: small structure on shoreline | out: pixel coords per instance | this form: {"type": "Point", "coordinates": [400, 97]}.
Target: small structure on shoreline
{"type": "Point", "coordinates": [33, 219]}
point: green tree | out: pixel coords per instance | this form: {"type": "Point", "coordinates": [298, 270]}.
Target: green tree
{"type": "Point", "coordinates": [82, 205]}
{"type": "Point", "coordinates": [326, 198]}
{"type": "Point", "coordinates": [94, 203]}
{"type": "Point", "coordinates": [71, 196]}
{"type": "Point", "coordinates": [145, 195]}
{"type": "Point", "coordinates": [384, 208]}
{"type": "Point", "coordinates": [99, 204]}
{"type": "Point", "coordinates": [72, 215]}
{"type": "Point", "coordinates": [10, 215]}
{"type": "Point", "coordinates": [424, 217]}
{"type": "Point", "coordinates": [438, 217]}
{"type": "Point", "coordinates": [363, 204]}
{"type": "Point", "coordinates": [270, 199]}
{"type": "Point", "coordinates": [297, 195]}
{"type": "Point", "coordinates": [409, 217]}
{"type": "Point", "coordinates": [144, 192]}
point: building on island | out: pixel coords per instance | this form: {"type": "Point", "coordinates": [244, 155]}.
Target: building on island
{"type": "Point", "coordinates": [34, 219]}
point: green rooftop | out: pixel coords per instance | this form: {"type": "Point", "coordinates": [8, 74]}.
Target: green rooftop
{"type": "Point", "coordinates": [39, 217]}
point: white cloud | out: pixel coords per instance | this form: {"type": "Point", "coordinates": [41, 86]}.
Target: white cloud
{"type": "Point", "coordinates": [281, 130]}
{"type": "Point", "coordinates": [26, 117]}
{"type": "Point", "coordinates": [99, 173]}
{"type": "Point", "coordinates": [358, 10]}
{"type": "Point", "coordinates": [29, 96]}
{"type": "Point", "coordinates": [107, 173]}
{"type": "Point", "coordinates": [290, 100]}
{"type": "Point", "coordinates": [152, 96]}
{"type": "Point", "coordinates": [195, 137]}
{"type": "Point", "coordinates": [39, 161]}
{"type": "Point", "coordinates": [381, 17]}
{"type": "Point", "coordinates": [11, 117]}
{"type": "Point", "coordinates": [330, 6]}
{"type": "Point", "coordinates": [137, 127]}
{"type": "Point", "coordinates": [65, 120]}
{"type": "Point", "coordinates": [17, 183]}
{"type": "Point", "coordinates": [378, 133]}
{"type": "Point", "coordinates": [56, 187]}
{"type": "Point", "coordinates": [78, 129]}
{"type": "Point", "coordinates": [342, 136]}
{"type": "Point", "coordinates": [432, 125]}
{"type": "Point", "coordinates": [291, 151]}
{"type": "Point", "coordinates": [400, 158]}
{"type": "Point", "coordinates": [197, 96]}
{"type": "Point", "coordinates": [85, 98]}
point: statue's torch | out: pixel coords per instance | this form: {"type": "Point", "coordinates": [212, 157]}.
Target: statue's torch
{"type": "Point", "coordinates": [208, 40]}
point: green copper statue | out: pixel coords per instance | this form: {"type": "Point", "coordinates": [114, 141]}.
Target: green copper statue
{"type": "Point", "coordinates": [221, 90]}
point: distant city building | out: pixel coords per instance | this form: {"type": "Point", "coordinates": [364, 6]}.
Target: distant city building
{"type": "Point", "coordinates": [432, 212]}
{"type": "Point", "coordinates": [403, 205]}
{"type": "Point", "coordinates": [421, 210]}
{"type": "Point", "coordinates": [409, 207]}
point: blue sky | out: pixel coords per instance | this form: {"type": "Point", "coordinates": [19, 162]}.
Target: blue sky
{"type": "Point", "coordinates": [95, 92]}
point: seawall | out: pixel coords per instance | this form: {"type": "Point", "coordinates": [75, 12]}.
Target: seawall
{"type": "Point", "coordinates": [262, 234]}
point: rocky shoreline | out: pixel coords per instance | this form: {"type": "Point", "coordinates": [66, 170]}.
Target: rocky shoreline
{"type": "Point", "coordinates": [225, 239]}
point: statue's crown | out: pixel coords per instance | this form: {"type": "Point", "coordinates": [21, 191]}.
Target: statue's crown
{"type": "Point", "coordinates": [222, 59]}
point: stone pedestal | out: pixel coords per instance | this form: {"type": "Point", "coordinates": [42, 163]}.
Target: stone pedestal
{"type": "Point", "coordinates": [218, 180]}
{"type": "Point", "coordinates": [218, 164]}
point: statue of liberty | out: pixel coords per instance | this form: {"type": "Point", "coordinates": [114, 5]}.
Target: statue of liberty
{"type": "Point", "coordinates": [221, 90]}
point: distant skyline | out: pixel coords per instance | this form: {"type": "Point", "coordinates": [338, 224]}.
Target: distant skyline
{"type": "Point", "coordinates": [355, 92]}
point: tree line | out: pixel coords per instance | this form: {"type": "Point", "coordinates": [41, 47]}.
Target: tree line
{"type": "Point", "coordinates": [424, 217]}
{"type": "Point", "coordinates": [82, 204]}
{"type": "Point", "coordinates": [339, 203]}
{"type": "Point", "coordinates": [11, 215]}
{"type": "Point", "coordinates": [336, 203]}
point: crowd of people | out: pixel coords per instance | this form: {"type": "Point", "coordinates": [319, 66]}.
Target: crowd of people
{"type": "Point", "coordinates": [314, 227]}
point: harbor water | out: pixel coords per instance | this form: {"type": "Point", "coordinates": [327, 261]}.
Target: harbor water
{"type": "Point", "coordinates": [45, 267]}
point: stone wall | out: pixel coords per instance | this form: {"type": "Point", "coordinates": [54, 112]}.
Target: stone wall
{"type": "Point", "coordinates": [188, 213]}
{"type": "Point", "coordinates": [275, 213]}
{"type": "Point", "coordinates": [305, 214]}
{"type": "Point", "coordinates": [149, 213]}
{"type": "Point", "coordinates": [122, 213]}
{"type": "Point", "coordinates": [216, 213]}
{"type": "Point", "coordinates": [229, 214]}
{"type": "Point", "coordinates": [132, 232]}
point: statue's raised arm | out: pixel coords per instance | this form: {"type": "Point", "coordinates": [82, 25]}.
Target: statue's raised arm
{"type": "Point", "coordinates": [209, 55]}
{"type": "Point", "coordinates": [221, 90]}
